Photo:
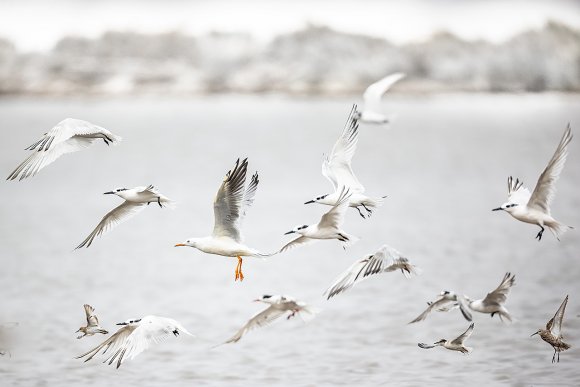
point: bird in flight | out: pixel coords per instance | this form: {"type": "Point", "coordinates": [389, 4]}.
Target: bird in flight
{"type": "Point", "coordinates": [456, 344]}
{"type": "Point", "coordinates": [371, 112]}
{"type": "Point", "coordinates": [493, 302]}
{"type": "Point", "coordinates": [553, 332]}
{"type": "Point", "coordinates": [92, 323]}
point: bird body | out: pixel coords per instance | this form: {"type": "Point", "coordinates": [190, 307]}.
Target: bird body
{"type": "Point", "coordinates": [456, 344]}
{"type": "Point", "coordinates": [553, 332]}
{"type": "Point", "coordinates": [92, 323]}
{"type": "Point", "coordinates": [493, 302]}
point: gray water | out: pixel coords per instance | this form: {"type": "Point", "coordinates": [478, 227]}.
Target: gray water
{"type": "Point", "coordinates": [443, 164]}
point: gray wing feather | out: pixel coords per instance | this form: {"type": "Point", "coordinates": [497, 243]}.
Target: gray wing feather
{"type": "Point", "coordinates": [556, 322]}
{"type": "Point", "coordinates": [228, 202]}
{"type": "Point", "coordinates": [464, 336]}
{"type": "Point", "coordinates": [499, 295]}
{"type": "Point", "coordinates": [261, 319]}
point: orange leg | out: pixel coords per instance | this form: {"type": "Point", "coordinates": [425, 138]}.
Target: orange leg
{"type": "Point", "coordinates": [239, 274]}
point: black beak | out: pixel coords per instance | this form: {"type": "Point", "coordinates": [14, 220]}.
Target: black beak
{"type": "Point", "coordinates": [535, 333]}
{"type": "Point", "coordinates": [309, 202]}
{"type": "Point", "coordinates": [109, 193]}
{"type": "Point", "coordinates": [289, 232]}
{"type": "Point", "coordinates": [497, 209]}
{"type": "Point", "coordinates": [123, 323]}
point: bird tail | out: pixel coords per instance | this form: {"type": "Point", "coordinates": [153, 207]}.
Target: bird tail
{"type": "Point", "coordinates": [558, 229]}
{"type": "Point", "coordinates": [308, 312]}
{"type": "Point", "coordinates": [375, 202]}
{"type": "Point", "coordinates": [504, 314]}
{"type": "Point", "coordinates": [171, 204]}
{"type": "Point", "coordinates": [116, 139]}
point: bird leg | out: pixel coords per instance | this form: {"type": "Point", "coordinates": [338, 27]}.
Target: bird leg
{"type": "Point", "coordinates": [360, 213]}
{"type": "Point", "coordinates": [148, 203]}
{"type": "Point", "coordinates": [554, 357]}
{"type": "Point", "coordinates": [159, 202]}
{"type": "Point", "coordinates": [539, 236]}
{"type": "Point", "coordinates": [492, 313]}
{"type": "Point", "coordinates": [291, 315]}
{"type": "Point", "coordinates": [558, 356]}
{"type": "Point", "coordinates": [239, 274]}
{"type": "Point", "coordinates": [369, 211]}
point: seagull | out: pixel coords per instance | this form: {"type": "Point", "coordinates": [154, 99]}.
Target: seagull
{"type": "Point", "coordinates": [135, 201]}
{"type": "Point", "coordinates": [336, 168]}
{"type": "Point", "coordinates": [553, 332]}
{"type": "Point", "coordinates": [453, 345]}
{"type": "Point", "coordinates": [535, 208]}
{"type": "Point", "coordinates": [278, 305]}
{"type": "Point", "coordinates": [386, 259]}
{"type": "Point", "coordinates": [493, 302]}
{"type": "Point", "coordinates": [327, 228]}
{"type": "Point", "coordinates": [371, 113]}
{"type": "Point", "coordinates": [445, 301]}
{"type": "Point", "coordinates": [229, 208]}
{"type": "Point", "coordinates": [69, 135]}
{"type": "Point", "coordinates": [92, 323]}
{"type": "Point", "coordinates": [134, 337]}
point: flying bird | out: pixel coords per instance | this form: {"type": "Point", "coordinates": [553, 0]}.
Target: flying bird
{"type": "Point", "coordinates": [553, 332]}
{"type": "Point", "coordinates": [455, 344]}
{"type": "Point", "coordinates": [135, 201]}
{"type": "Point", "coordinates": [386, 259]}
{"type": "Point", "coordinates": [229, 208]}
{"type": "Point", "coordinates": [92, 323]}
{"type": "Point", "coordinates": [69, 135]}
{"type": "Point", "coordinates": [336, 167]}
{"type": "Point", "coordinates": [445, 301]}
{"type": "Point", "coordinates": [278, 306]}
{"type": "Point", "coordinates": [534, 208]}
{"type": "Point", "coordinates": [371, 112]}
{"type": "Point", "coordinates": [134, 337]}
{"type": "Point", "coordinates": [327, 228]}
{"type": "Point", "coordinates": [493, 302]}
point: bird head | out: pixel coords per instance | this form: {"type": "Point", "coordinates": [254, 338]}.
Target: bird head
{"type": "Point", "coordinates": [266, 298]}
{"type": "Point", "coordinates": [117, 191]}
{"type": "Point", "coordinates": [129, 322]}
{"type": "Point", "coordinates": [82, 329]}
{"type": "Point", "coordinates": [191, 242]}
{"type": "Point", "coordinates": [319, 199]}
{"type": "Point", "coordinates": [297, 230]}
{"type": "Point", "coordinates": [508, 207]}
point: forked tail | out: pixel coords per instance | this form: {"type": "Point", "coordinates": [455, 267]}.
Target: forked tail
{"type": "Point", "coordinates": [558, 229]}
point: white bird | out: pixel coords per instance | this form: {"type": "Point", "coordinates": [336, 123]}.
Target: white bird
{"type": "Point", "coordinates": [327, 228]}
{"type": "Point", "coordinates": [455, 344]}
{"type": "Point", "coordinates": [386, 259]}
{"type": "Point", "coordinates": [371, 112]}
{"type": "Point", "coordinates": [229, 207]}
{"type": "Point", "coordinates": [337, 169]}
{"type": "Point", "coordinates": [445, 301]}
{"type": "Point", "coordinates": [493, 302]}
{"type": "Point", "coordinates": [92, 323]}
{"type": "Point", "coordinates": [553, 332]}
{"type": "Point", "coordinates": [135, 337]}
{"type": "Point", "coordinates": [69, 135]}
{"type": "Point", "coordinates": [135, 201]}
{"type": "Point", "coordinates": [278, 306]}
{"type": "Point", "coordinates": [535, 208]}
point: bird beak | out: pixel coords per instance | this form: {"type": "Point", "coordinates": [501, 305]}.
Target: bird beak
{"type": "Point", "coordinates": [289, 232]}
{"type": "Point", "coordinates": [497, 209]}
{"type": "Point", "coordinates": [179, 244]}
{"type": "Point", "coordinates": [109, 193]}
{"type": "Point", "coordinates": [309, 202]}
{"type": "Point", "coordinates": [78, 330]}
{"type": "Point", "coordinates": [535, 333]}
{"type": "Point", "coordinates": [123, 323]}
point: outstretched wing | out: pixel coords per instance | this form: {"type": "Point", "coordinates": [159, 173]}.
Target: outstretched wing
{"type": "Point", "coordinates": [546, 186]}
{"type": "Point", "coordinates": [464, 336]}
{"type": "Point", "coordinates": [426, 346]}
{"type": "Point", "coordinates": [499, 295]}
{"type": "Point", "coordinates": [92, 319]}
{"type": "Point", "coordinates": [335, 216]}
{"type": "Point", "coordinates": [555, 323]}
{"type": "Point", "coordinates": [373, 93]}
{"type": "Point", "coordinates": [228, 202]}
{"type": "Point", "coordinates": [302, 240]}
{"type": "Point", "coordinates": [249, 195]}
{"type": "Point", "coordinates": [439, 303]}
{"type": "Point", "coordinates": [261, 319]}
{"type": "Point", "coordinates": [115, 343]}
{"type": "Point", "coordinates": [517, 193]}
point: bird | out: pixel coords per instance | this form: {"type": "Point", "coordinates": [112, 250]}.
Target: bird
{"type": "Point", "coordinates": [337, 169]}
{"type": "Point", "coordinates": [134, 337]}
{"type": "Point", "coordinates": [446, 300]}
{"type": "Point", "coordinates": [7, 337]}
{"type": "Point", "coordinates": [553, 332]}
{"type": "Point", "coordinates": [455, 344]}
{"type": "Point", "coordinates": [386, 259]}
{"type": "Point", "coordinates": [135, 201]}
{"type": "Point", "coordinates": [230, 205]}
{"type": "Point", "coordinates": [371, 112]}
{"type": "Point", "coordinates": [92, 323]}
{"type": "Point", "coordinates": [69, 135]}
{"type": "Point", "coordinates": [493, 302]}
{"type": "Point", "coordinates": [327, 228]}
{"type": "Point", "coordinates": [278, 306]}
{"type": "Point", "coordinates": [534, 208]}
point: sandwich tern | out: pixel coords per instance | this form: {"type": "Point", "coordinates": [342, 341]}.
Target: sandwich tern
{"type": "Point", "coordinates": [135, 201]}
{"type": "Point", "coordinates": [92, 323]}
{"type": "Point", "coordinates": [371, 112]}
{"type": "Point", "coordinates": [493, 302]}
{"type": "Point", "coordinates": [278, 305]}
{"type": "Point", "coordinates": [455, 344]}
{"type": "Point", "coordinates": [134, 337]}
{"type": "Point", "coordinates": [535, 207]}
{"type": "Point", "coordinates": [445, 301]}
{"type": "Point", "coordinates": [327, 228]}
{"type": "Point", "coordinates": [229, 207]}
{"type": "Point", "coordinates": [386, 259]}
{"type": "Point", "coordinates": [553, 332]}
{"type": "Point", "coordinates": [337, 169]}
{"type": "Point", "coordinates": [69, 135]}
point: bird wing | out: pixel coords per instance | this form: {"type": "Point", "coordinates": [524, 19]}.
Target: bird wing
{"type": "Point", "coordinates": [113, 218]}
{"type": "Point", "coordinates": [426, 346]}
{"type": "Point", "coordinates": [499, 295]}
{"type": "Point", "coordinates": [261, 319]}
{"type": "Point", "coordinates": [92, 319]}
{"type": "Point", "coordinates": [302, 240]}
{"type": "Point", "coordinates": [373, 93]}
{"type": "Point", "coordinates": [249, 194]}
{"type": "Point", "coordinates": [546, 186]}
{"type": "Point", "coordinates": [337, 166]}
{"type": "Point", "coordinates": [555, 323]}
{"type": "Point", "coordinates": [116, 342]}
{"type": "Point", "coordinates": [517, 193]}
{"type": "Point", "coordinates": [335, 216]}
{"type": "Point", "coordinates": [464, 336]}
{"type": "Point", "coordinates": [437, 304]}
{"type": "Point", "coordinates": [228, 203]}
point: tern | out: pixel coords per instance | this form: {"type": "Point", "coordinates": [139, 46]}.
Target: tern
{"type": "Point", "coordinates": [553, 332]}
{"type": "Point", "coordinates": [327, 228]}
{"type": "Point", "coordinates": [92, 323]}
{"type": "Point", "coordinates": [337, 169]}
{"type": "Point", "coordinates": [493, 302]}
{"type": "Point", "coordinates": [386, 259]}
{"type": "Point", "coordinates": [135, 201]}
{"type": "Point", "coordinates": [134, 337]}
{"type": "Point", "coordinates": [455, 344]}
{"type": "Point", "coordinates": [535, 207]}
{"type": "Point", "coordinates": [445, 301]}
{"type": "Point", "coordinates": [371, 113]}
{"type": "Point", "coordinates": [278, 306]}
{"type": "Point", "coordinates": [229, 207]}
{"type": "Point", "coordinates": [69, 135]}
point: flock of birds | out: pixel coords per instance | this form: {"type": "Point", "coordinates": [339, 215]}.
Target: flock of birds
{"type": "Point", "coordinates": [232, 201]}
